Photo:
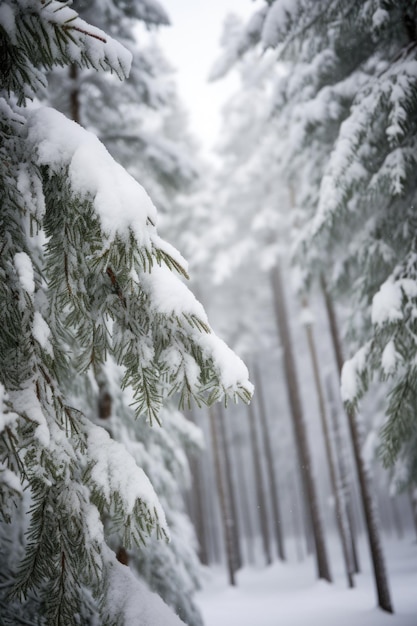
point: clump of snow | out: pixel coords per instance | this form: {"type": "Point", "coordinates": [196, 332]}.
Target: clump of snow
{"type": "Point", "coordinates": [351, 371]}
{"type": "Point", "coordinates": [26, 402]}
{"type": "Point", "coordinates": [93, 42]}
{"type": "Point", "coordinates": [279, 17]}
{"type": "Point", "coordinates": [42, 332]}
{"type": "Point", "coordinates": [169, 295]}
{"type": "Point", "coordinates": [115, 471]}
{"type": "Point", "coordinates": [24, 269]}
{"type": "Point", "coordinates": [121, 203]}
{"type": "Point", "coordinates": [232, 371]}
{"type": "Point", "coordinates": [387, 303]}
{"type": "Point", "coordinates": [380, 18]}
{"type": "Point", "coordinates": [389, 359]}
{"type": "Point", "coordinates": [7, 21]}
{"type": "Point", "coordinates": [138, 605]}
{"type": "Point", "coordinates": [6, 417]}
{"type": "Point", "coordinates": [10, 479]}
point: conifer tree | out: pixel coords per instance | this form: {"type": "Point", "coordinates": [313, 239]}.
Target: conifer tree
{"type": "Point", "coordinates": [133, 120]}
{"type": "Point", "coordinates": [345, 111]}
{"type": "Point", "coordinates": [84, 276]}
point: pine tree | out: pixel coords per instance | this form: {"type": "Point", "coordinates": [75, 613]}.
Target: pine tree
{"type": "Point", "coordinates": [84, 276]}
{"type": "Point", "coordinates": [133, 120]}
{"type": "Point", "coordinates": [345, 109]}
{"type": "Point", "coordinates": [346, 113]}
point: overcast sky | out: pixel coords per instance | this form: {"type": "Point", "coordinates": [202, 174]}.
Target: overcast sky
{"type": "Point", "coordinates": [191, 44]}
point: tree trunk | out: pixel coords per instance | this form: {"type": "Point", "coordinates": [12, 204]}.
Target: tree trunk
{"type": "Point", "coordinates": [323, 570]}
{"type": "Point", "coordinates": [371, 522]}
{"type": "Point", "coordinates": [276, 512]}
{"type": "Point", "coordinates": [249, 534]}
{"type": "Point", "coordinates": [74, 94]}
{"type": "Point", "coordinates": [335, 482]}
{"type": "Point", "coordinates": [224, 504]}
{"type": "Point", "coordinates": [260, 490]}
{"type": "Point", "coordinates": [344, 476]}
{"type": "Point", "coordinates": [229, 485]}
{"type": "Point", "coordinates": [197, 494]}
{"type": "Point", "coordinates": [413, 502]}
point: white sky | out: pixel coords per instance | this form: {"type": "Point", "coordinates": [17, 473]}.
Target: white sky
{"type": "Point", "coordinates": [191, 44]}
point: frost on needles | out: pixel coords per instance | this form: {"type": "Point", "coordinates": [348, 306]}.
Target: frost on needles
{"type": "Point", "coordinates": [84, 277]}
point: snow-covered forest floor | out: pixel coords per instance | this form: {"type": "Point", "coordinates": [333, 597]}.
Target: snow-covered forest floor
{"type": "Point", "coordinates": [289, 595]}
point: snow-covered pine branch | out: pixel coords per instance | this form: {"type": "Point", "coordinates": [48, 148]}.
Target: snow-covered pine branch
{"type": "Point", "coordinates": [83, 276]}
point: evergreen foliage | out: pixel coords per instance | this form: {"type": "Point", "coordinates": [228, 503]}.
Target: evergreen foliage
{"type": "Point", "coordinates": [84, 276]}
{"type": "Point", "coordinates": [344, 113]}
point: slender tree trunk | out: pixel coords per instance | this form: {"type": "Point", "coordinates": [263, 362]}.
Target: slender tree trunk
{"type": "Point", "coordinates": [197, 492]}
{"type": "Point", "coordinates": [244, 502]}
{"type": "Point", "coordinates": [323, 569]}
{"type": "Point", "coordinates": [274, 493]}
{"type": "Point", "coordinates": [396, 516]}
{"type": "Point", "coordinates": [199, 517]}
{"type": "Point", "coordinates": [413, 502]}
{"type": "Point", "coordinates": [224, 504]}
{"type": "Point", "coordinates": [375, 546]}
{"type": "Point", "coordinates": [296, 510]}
{"type": "Point", "coordinates": [341, 519]}
{"type": "Point", "coordinates": [344, 477]}
{"type": "Point", "coordinates": [260, 490]}
{"type": "Point", "coordinates": [74, 93]}
{"type": "Point", "coordinates": [229, 484]}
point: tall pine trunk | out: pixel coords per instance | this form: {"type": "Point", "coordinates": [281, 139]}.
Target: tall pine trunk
{"type": "Point", "coordinates": [259, 484]}
{"type": "Point", "coordinates": [344, 475]}
{"type": "Point", "coordinates": [245, 507]}
{"type": "Point", "coordinates": [369, 507]}
{"type": "Point", "coordinates": [224, 503]}
{"type": "Point", "coordinates": [341, 517]}
{"type": "Point", "coordinates": [269, 458]}
{"type": "Point", "coordinates": [300, 432]}
{"type": "Point", "coordinates": [229, 486]}
{"type": "Point", "coordinates": [197, 494]}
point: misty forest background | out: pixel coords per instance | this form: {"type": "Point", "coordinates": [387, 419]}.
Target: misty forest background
{"type": "Point", "coordinates": [301, 241]}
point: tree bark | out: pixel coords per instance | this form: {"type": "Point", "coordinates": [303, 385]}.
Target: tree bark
{"type": "Point", "coordinates": [198, 491]}
{"type": "Point", "coordinates": [274, 493]}
{"type": "Point", "coordinates": [74, 94]}
{"type": "Point", "coordinates": [224, 505]}
{"type": "Point", "coordinates": [230, 489]}
{"type": "Point", "coordinates": [341, 518]}
{"type": "Point", "coordinates": [344, 477]}
{"type": "Point", "coordinates": [322, 564]}
{"type": "Point", "coordinates": [245, 504]}
{"type": "Point", "coordinates": [260, 490]}
{"type": "Point", "coordinates": [369, 508]}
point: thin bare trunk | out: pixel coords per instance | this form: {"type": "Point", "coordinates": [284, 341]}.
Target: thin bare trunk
{"type": "Point", "coordinates": [413, 502]}
{"type": "Point", "coordinates": [229, 485]}
{"type": "Point", "coordinates": [74, 93]}
{"type": "Point", "coordinates": [296, 510]}
{"type": "Point", "coordinates": [197, 495]}
{"type": "Point", "coordinates": [323, 569]}
{"type": "Point", "coordinates": [274, 493]}
{"type": "Point", "coordinates": [375, 546]}
{"type": "Point", "coordinates": [260, 490]}
{"type": "Point", "coordinates": [344, 475]}
{"type": "Point", "coordinates": [224, 504]}
{"type": "Point", "coordinates": [244, 502]}
{"type": "Point", "coordinates": [341, 518]}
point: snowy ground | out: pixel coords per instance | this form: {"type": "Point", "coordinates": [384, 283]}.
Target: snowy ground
{"type": "Point", "coordinates": [288, 595]}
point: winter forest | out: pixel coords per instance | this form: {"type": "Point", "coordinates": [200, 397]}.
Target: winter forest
{"type": "Point", "coordinates": [208, 375]}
